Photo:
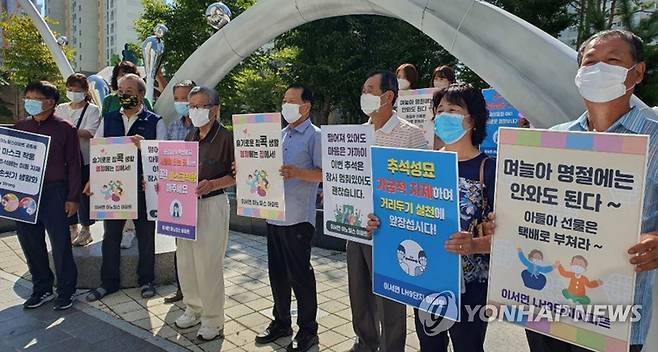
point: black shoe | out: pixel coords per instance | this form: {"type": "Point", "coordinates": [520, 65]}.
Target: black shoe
{"type": "Point", "coordinates": [38, 299]}
{"type": "Point", "coordinates": [63, 303]}
{"type": "Point", "coordinates": [174, 298]}
{"type": "Point", "coordinates": [273, 333]}
{"type": "Point", "coordinates": [303, 342]}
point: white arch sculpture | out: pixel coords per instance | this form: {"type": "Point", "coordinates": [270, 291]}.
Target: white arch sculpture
{"type": "Point", "coordinates": [62, 62]}
{"type": "Point", "coordinates": [533, 70]}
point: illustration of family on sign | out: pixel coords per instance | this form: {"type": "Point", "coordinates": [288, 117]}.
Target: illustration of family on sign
{"type": "Point", "coordinates": [534, 275]}
{"type": "Point", "coordinates": [258, 183]}
{"type": "Point", "coordinates": [347, 215]}
{"type": "Point", "coordinates": [113, 190]}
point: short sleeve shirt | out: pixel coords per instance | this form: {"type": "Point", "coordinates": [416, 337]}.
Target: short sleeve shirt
{"type": "Point", "coordinates": [215, 152]}
{"type": "Point", "coordinates": [301, 148]}
{"type": "Point", "coordinates": [637, 121]}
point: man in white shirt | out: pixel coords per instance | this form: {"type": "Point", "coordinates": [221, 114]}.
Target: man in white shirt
{"type": "Point", "coordinates": [379, 324]}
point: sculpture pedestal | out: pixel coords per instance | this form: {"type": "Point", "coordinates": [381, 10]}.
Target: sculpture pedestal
{"type": "Point", "coordinates": [89, 259]}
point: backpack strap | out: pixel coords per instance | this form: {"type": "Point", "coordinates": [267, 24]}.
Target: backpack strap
{"type": "Point", "coordinates": [82, 115]}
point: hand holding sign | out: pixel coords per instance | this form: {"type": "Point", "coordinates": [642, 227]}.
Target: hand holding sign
{"type": "Point", "coordinates": [373, 224]}
{"type": "Point", "coordinates": [646, 252]}
{"type": "Point", "coordinates": [289, 172]}
{"type": "Point", "coordinates": [136, 139]}
{"type": "Point", "coordinates": [460, 243]}
{"type": "Point", "coordinates": [204, 187]}
{"type": "Point", "coordinates": [70, 208]}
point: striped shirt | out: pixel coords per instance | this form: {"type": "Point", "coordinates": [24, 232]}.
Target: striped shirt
{"type": "Point", "coordinates": [400, 133]}
{"type": "Point", "coordinates": [637, 121]}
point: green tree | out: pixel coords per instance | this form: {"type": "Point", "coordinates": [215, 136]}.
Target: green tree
{"type": "Point", "coordinates": [188, 29]}
{"type": "Point", "coordinates": [551, 16]}
{"type": "Point", "coordinates": [26, 56]}
{"type": "Point", "coordinates": [598, 15]}
{"type": "Point", "coordinates": [335, 55]}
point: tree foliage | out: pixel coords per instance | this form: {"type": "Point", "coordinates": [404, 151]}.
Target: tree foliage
{"type": "Point", "coordinates": [188, 29]}
{"type": "Point", "coordinates": [335, 55]}
{"type": "Point", "coordinates": [26, 56]}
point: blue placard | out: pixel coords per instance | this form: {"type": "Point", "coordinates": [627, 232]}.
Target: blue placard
{"type": "Point", "coordinates": [501, 114]}
{"type": "Point", "coordinates": [23, 158]}
{"type": "Point", "coordinates": [416, 198]}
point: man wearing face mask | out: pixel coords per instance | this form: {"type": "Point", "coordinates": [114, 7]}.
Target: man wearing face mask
{"type": "Point", "coordinates": [182, 126]}
{"type": "Point", "coordinates": [177, 131]}
{"type": "Point", "coordinates": [611, 65]}
{"type": "Point", "coordinates": [379, 323]}
{"type": "Point", "coordinates": [60, 197]}
{"type": "Point", "coordinates": [201, 262]}
{"type": "Point", "coordinates": [289, 241]}
{"type": "Point", "coordinates": [137, 122]}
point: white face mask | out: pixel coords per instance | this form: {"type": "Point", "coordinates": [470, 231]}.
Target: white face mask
{"type": "Point", "coordinates": [403, 84]}
{"type": "Point", "coordinates": [75, 97]}
{"type": "Point", "coordinates": [199, 117]}
{"type": "Point", "coordinates": [291, 112]}
{"type": "Point", "coordinates": [601, 82]}
{"type": "Point", "coordinates": [577, 269]}
{"type": "Point", "coordinates": [370, 103]}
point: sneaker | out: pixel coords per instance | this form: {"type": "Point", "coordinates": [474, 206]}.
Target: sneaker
{"type": "Point", "coordinates": [63, 303]}
{"type": "Point", "coordinates": [38, 299]}
{"type": "Point", "coordinates": [127, 240]}
{"type": "Point", "coordinates": [188, 320]}
{"type": "Point", "coordinates": [84, 237]}
{"type": "Point", "coordinates": [148, 290]}
{"type": "Point", "coordinates": [73, 229]}
{"type": "Point", "coordinates": [206, 333]}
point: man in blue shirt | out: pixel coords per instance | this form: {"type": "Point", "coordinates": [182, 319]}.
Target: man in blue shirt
{"type": "Point", "coordinates": [289, 241]}
{"type": "Point", "coordinates": [611, 65]}
{"type": "Point", "coordinates": [177, 131]}
{"type": "Point", "coordinates": [181, 126]}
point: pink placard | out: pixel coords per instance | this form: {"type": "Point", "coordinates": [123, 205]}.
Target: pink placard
{"type": "Point", "coordinates": [177, 181]}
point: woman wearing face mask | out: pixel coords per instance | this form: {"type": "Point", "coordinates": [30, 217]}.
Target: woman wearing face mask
{"type": "Point", "coordinates": [407, 77]}
{"type": "Point", "coordinates": [461, 117]}
{"type": "Point", "coordinates": [442, 77]}
{"type": "Point", "coordinates": [86, 117]}
{"type": "Point", "coordinates": [111, 102]}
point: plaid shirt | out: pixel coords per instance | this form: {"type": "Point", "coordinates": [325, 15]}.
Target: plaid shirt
{"type": "Point", "coordinates": [637, 121]}
{"type": "Point", "coordinates": [177, 130]}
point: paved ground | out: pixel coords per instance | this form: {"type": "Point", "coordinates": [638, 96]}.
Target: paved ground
{"type": "Point", "coordinates": [127, 320]}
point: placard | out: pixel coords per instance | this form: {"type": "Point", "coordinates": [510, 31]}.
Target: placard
{"type": "Point", "coordinates": [258, 159]}
{"type": "Point", "coordinates": [178, 169]}
{"type": "Point", "coordinates": [149, 151]}
{"type": "Point", "coordinates": [501, 114]}
{"type": "Point", "coordinates": [416, 199]}
{"type": "Point", "coordinates": [113, 178]}
{"type": "Point", "coordinates": [568, 207]}
{"type": "Point", "coordinates": [23, 160]}
{"type": "Point", "coordinates": [415, 106]}
{"type": "Point", "coordinates": [347, 180]}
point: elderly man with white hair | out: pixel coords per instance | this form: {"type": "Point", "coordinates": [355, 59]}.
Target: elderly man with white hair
{"type": "Point", "coordinates": [137, 122]}
{"type": "Point", "coordinates": [201, 262]}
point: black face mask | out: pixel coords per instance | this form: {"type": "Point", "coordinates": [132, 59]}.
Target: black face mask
{"type": "Point", "coordinates": [128, 101]}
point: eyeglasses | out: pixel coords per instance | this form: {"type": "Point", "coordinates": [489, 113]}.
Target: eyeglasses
{"type": "Point", "coordinates": [39, 99]}
{"type": "Point", "coordinates": [207, 106]}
